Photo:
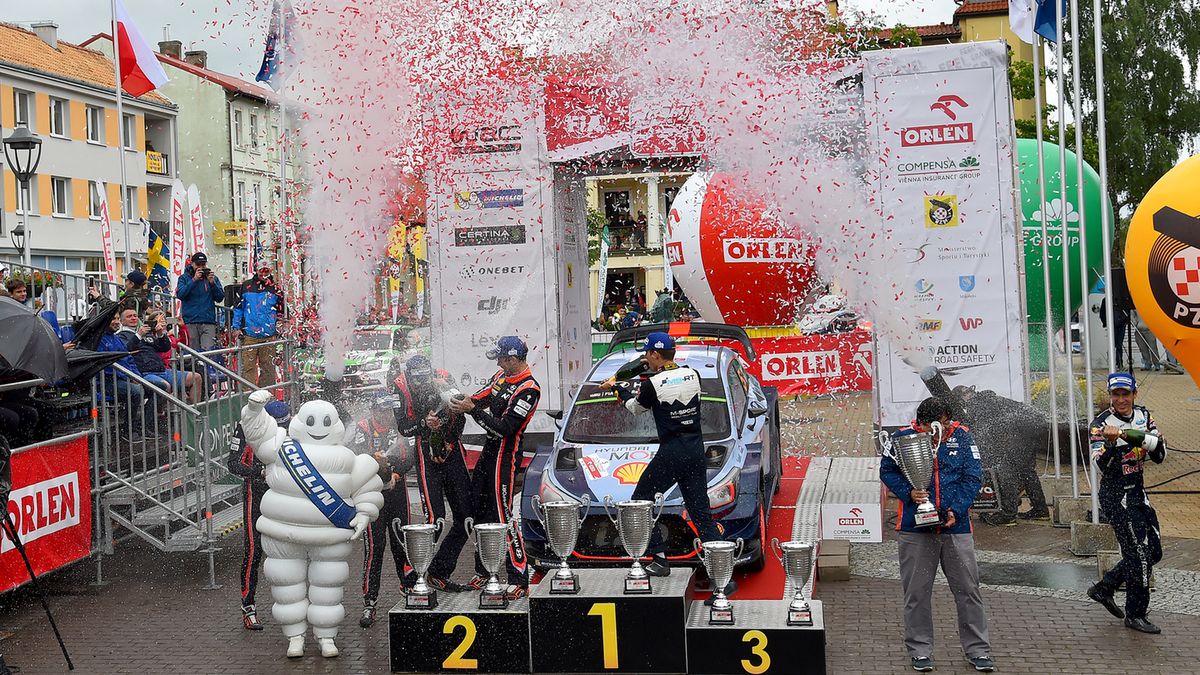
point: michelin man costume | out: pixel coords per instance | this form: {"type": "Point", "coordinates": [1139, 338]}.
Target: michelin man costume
{"type": "Point", "coordinates": [321, 497]}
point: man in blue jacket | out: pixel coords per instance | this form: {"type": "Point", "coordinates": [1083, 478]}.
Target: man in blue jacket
{"type": "Point", "coordinates": [956, 481]}
{"type": "Point", "coordinates": [198, 290]}
{"type": "Point", "coordinates": [256, 316]}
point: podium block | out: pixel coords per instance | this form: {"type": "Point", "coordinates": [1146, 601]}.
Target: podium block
{"type": "Point", "coordinates": [603, 630]}
{"type": "Point", "coordinates": [457, 636]}
{"type": "Point", "coordinates": [758, 642]}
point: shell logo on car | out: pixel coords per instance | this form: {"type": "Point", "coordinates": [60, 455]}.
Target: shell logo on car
{"type": "Point", "coordinates": [628, 474]}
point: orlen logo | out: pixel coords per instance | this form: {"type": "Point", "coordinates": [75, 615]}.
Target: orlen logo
{"type": "Point", "coordinates": [970, 323]}
{"type": "Point", "coordinates": [44, 508]}
{"type": "Point", "coordinates": [856, 518]}
{"type": "Point", "coordinates": [946, 104]}
{"type": "Point", "coordinates": [675, 252]}
{"type": "Point", "coordinates": [929, 325]}
{"type": "Point", "coordinates": [937, 134]}
{"type": "Point", "coordinates": [801, 366]}
{"type": "Point", "coordinates": [763, 250]}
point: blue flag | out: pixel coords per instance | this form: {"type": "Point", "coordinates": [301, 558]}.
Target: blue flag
{"type": "Point", "coordinates": [1045, 22]}
{"type": "Point", "coordinates": [278, 36]}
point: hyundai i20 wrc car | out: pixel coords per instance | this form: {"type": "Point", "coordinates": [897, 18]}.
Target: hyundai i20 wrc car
{"type": "Point", "coordinates": [601, 449]}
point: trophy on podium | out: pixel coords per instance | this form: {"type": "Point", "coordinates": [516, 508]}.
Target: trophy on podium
{"type": "Point", "coordinates": [718, 558]}
{"type": "Point", "coordinates": [491, 542]}
{"type": "Point", "coordinates": [420, 545]}
{"type": "Point", "coordinates": [635, 521]}
{"type": "Point", "coordinates": [914, 451]}
{"type": "Point", "coordinates": [562, 520]}
{"type": "Point", "coordinates": [797, 560]}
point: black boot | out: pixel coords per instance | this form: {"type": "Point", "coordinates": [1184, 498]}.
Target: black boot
{"type": "Point", "coordinates": [1104, 595]}
{"type": "Point", "coordinates": [1142, 624]}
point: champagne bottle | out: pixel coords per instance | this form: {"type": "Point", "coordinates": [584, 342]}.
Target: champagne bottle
{"type": "Point", "coordinates": [632, 370]}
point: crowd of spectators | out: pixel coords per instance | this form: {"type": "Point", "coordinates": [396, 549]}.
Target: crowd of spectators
{"type": "Point", "coordinates": [629, 309]}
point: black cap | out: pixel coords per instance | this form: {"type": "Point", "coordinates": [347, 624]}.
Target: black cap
{"type": "Point", "coordinates": [198, 258]}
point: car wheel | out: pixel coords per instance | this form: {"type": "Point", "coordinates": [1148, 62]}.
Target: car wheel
{"type": "Point", "coordinates": [757, 563]}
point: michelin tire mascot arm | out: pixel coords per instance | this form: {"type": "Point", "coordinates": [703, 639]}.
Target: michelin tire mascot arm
{"type": "Point", "coordinates": [261, 430]}
{"type": "Point", "coordinates": [367, 497]}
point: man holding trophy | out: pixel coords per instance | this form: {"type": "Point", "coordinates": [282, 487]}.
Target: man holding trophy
{"type": "Point", "coordinates": [933, 468]}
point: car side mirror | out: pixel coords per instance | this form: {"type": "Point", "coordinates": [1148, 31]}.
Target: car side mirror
{"type": "Point", "coordinates": [757, 409]}
{"type": "Point", "coordinates": [556, 414]}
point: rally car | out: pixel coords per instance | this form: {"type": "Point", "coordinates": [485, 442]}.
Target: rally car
{"type": "Point", "coordinates": [601, 449]}
{"type": "Point", "coordinates": [372, 349]}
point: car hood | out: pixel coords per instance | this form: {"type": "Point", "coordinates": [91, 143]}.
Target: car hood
{"type": "Point", "coordinates": [615, 469]}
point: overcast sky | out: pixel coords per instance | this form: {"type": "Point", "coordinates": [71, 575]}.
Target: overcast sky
{"type": "Point", "coordinates": [233, 31]}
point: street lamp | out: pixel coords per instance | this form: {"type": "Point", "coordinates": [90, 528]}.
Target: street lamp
{"type": "Point", "coordinates": [18, 239]}
{"type": "Point", "coordinates": [23, 151]}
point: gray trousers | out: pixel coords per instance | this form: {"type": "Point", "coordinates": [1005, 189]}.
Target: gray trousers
{"type": "Point", "coordinates": [204, 336]}
{"type": "Point", "coordinates": [920, 555]}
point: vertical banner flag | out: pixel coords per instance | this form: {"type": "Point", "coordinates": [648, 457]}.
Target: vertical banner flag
{"type": "Point", "coordinates": [197, 219]}
{"type": "Point", "coordinates": [941, 148]}
{"type": "Point", "coordinates": [106, 241]}
{"type": "Point", "coordinates": [251, 233]}
{"type": "Point", "coordinates": [1020, 19]}
{"type": "Point", "coordinates": [178, 195]}
{"type": "Point", "coordinates": [602, 277]}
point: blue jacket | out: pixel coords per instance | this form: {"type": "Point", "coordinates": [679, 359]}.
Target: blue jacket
{"type": "Point", "coordinates": [957, 477]}
{"type": "Point", "coordinates": [113, 343]}
{"type": "Point", "coordinates": [198, 298]}
{"type": "Point", "coordinates": [258, 309]}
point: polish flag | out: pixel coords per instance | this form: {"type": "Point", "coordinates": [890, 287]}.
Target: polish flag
{"type": "Point", "coordinates": [140, 70]}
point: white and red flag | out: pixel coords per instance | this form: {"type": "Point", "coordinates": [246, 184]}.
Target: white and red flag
{"type": "Point", "coordinates": [140, 70]}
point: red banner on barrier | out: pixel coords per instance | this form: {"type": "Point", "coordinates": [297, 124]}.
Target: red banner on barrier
{"type": "Point", "coordinates": [51, 505]}
{"type": "Point", "coordinates": [814, 364]}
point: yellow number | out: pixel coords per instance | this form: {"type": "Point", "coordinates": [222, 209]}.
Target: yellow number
{"type": "Point", "coordinates": [759, 650]}
{"type": "Point", "coordinates": [456, 660]}
{"type": "Point", "coordinates": [607, 611]}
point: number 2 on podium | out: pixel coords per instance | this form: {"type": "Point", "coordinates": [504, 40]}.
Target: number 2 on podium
{"type": "Point", "coordinates": [456, 660]}
{"type": "Point", "coordinates": [607, 611]}
{"type": "Point", "coordinates": [760, 650]}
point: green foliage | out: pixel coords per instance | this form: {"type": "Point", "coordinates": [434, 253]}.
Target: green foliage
{"type": "Point", "coordinates": [864, 32]}
{"type": "Point", "coordinates": [595, 227]}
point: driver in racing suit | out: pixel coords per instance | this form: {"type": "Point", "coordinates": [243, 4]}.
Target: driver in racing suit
{"type": "Point", "coordinates": [1122, 437]}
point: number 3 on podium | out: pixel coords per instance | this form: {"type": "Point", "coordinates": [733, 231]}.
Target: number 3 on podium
{"type": "Point", "coordinates": [607, 611]}
{"type": "Point", "coordinates": [456, 660]}
{"type": "Point", "coordinates": [759, 649]}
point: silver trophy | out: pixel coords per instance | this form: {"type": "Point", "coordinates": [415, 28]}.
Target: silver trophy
{"type": "Point", "coordinates": [420, 544]}
{"type": "Point", "coordinates": [797, 560]}
{"type": "Point", "coordinates": [635, 521]}
{"type": "Point", "coordinates": [491, 543]}
{"type": "Point", "coordinates": [718, 558]}
{"type": "Point", "coordinates": [914, 453]}
{"type": "Point", "coordinates": [562, 520]}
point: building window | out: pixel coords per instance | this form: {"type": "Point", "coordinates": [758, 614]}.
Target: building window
{"type": "Point", "coordinates": [25, 196]}
{"type": "Point", "coordinates": [95, 124]}
{"type": "Point", "coordinates": [22, 105]}
{"type": "Point", "coordinates": [241, 200]}
{"type": "Point", "coordinates": [131, 199]}
{"type": "Point", "coordinates": [254, 132]}
{"type": "Point", "coordinates": [237, 129]}
{"type": "Point", "coordinates": [60, 190]}
{"type": "Point", "coordinates": [58, 117]}
{"type": "Point", "coordinates": [95, 198]}
{"type": "Point", "coordinates": [128, 126]}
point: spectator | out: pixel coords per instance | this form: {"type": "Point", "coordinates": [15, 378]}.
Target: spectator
{"type": "Point", "coordinates": [145, 341]}
{"type": "Point", "coordinates": [639, 230]}
{"type": "Point", "coordinates": [199, 289]}
{"type": "Point", "coordinates": [183, 381]}
{"type": "Point", "coordinates": [17, 290]}
{"type": "Point", "coordinates": [136, 295]}
{"type": "Point", "coordinates": [116, 382]}
{"type": "Point", "coordinates": [632, 319]}
{"type": "Point", "coordinates": [257, 315]}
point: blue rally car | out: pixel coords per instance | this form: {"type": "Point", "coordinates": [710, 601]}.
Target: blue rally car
{"type": "Point", "coordinates": [601, 449]}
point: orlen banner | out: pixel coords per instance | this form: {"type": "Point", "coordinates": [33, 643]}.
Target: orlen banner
{"type": "Point", "coordinates": [52, 509]}
{"type": "Point", "coordinates": [815, 364]}
{"type": "Point", "coordinates": [735, 262]}
{"type": "Point", "coordinates": [940, 132]}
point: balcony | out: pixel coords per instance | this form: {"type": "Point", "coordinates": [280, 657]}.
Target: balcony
{"type": "Point", "coordinates": [157, 163]}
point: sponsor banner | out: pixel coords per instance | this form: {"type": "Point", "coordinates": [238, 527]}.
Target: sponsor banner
{"type": "Point", "coordinates": [774, 249]}
{"type": "Point", "coordinates": [178, 197]}
{"type": "Point", "coordinates": [490, 235]}
{"type": "Point", "coordinates": [106, 242]}
{"type": "Point", "coordinates": [940, 129]}
{"type": "Point", "coordinates": [52, 509]}
{"type": "Point", "coordinates": [251, 234]}
{"type": "Point", "coordinates": [814, 364]}
{"type": "Point", "coordinates": [489, 199]}
{"type": "Point", "coordinates": [860, 521]}
{"type": "Point", "coordinates": [197, 220]}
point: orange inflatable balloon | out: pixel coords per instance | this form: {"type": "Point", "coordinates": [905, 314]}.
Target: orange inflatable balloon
{"type": "Point", "coordinates": [1162, 262]}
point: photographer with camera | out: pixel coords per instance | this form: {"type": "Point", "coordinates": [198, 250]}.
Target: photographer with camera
{"type": "Point", "coordinates": [198, 290]}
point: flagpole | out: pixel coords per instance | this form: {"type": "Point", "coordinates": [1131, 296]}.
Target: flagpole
{"type": "Point", "coordinates": [1041, 161]}
{"type": "Point", "coordinates": [125, 206]}
{"type": "Point", "coordinates": [1066, 250]}
{"type": "Point", "coordinates": [287, 241]}
{"type": "Point", "coordinates": [1106, 225]}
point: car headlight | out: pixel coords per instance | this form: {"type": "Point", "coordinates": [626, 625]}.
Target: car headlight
{"type": "Point", "coordinates": [714, 456]}
{"type": "Point", "coordinates": [548, 493]}
{"type": "Point", "coordinates": [724, 492]}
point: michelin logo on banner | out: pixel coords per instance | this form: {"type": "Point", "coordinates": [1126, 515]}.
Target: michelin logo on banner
{"type": "Point", "coordinates": [489, 199]}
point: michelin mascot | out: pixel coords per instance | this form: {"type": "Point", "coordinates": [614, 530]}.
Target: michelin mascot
{"type": "Point", "coordinates": [321, 497]}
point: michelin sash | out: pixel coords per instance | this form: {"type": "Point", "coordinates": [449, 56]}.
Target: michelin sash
{"type": "Point", "coordinates": [314, 486]}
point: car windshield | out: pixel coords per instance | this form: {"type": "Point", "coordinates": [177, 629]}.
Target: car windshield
{"type": "Point", "coordinates": [597, 418]}
{"type": "Point", "coordinates": [373, 341]}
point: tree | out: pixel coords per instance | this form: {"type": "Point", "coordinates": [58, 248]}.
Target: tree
{"type": "Point", "coordinates": [595, 227]}
{"type": "Point", "coordinates": [1152, 105]}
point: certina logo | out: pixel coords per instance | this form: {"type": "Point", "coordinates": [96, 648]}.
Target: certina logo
{"type": "Point", "coordinates": [477, 140]}
{"type": "Point", "coordinates": [929, 325]}
{"type": "Point", "coordinates": [44, 508]}
{"type": "Point", "coordinates": [493, 305]}
{"type": "Point", "coordinates": [763, 250]}
{"type": "Point", "coordinates": [675, 253]}
{"type": "Point", "coordinates": [801, 365]}
{"type": "Point", "coordinates": [970, 323]}
{"type": "Point", "coordinates": [489, 235]}
{"type": "Point", "coordinates": [477, 271]}
{"type": "Point", "coordinates": [855, 518]}
{"type": "Point", "coordinates": [937, 134]}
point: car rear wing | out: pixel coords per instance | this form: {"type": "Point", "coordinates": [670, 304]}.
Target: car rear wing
{"type": "Point", "coordinates": [682, 329]}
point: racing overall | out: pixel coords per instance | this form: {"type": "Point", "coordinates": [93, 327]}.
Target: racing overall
{"type": "Point", "coordinates": [241, 462]}
{"type": "Point", "coordinates": [369, 438]}
{"type": "Point", "coordinates": [673, 394]}
{"type": "Point", "coordinates": [503, 408]}
{"type": "Point", "coordinates": [441, 472]}
{"type": "Point", "coordinates": [1124, 502]}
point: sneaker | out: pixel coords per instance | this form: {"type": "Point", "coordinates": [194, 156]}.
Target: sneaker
{"type": "Point", "coordinates": [1104, 596]}
{"type": "Point", "coordinates": [922, 664]}
{"type": "Point", "coordinates": [445, 584]}
{"type": "Point", "coordinates": [982, 664]}
{"type": "Point", "coordinates": [515, 592]}
{"type": "Point", "coordinates": [477, 582]}
{"type": "Point", "coordinates": [730, 589]}
{"type": "Point", "coordinates": [1142, 624]}
{"type": "Point", "coordinates": [999, 519]}
{"type": "Point", "coordinates": [368, 615]}
{"type": "Point", "coordinates": [250, 618]}
{"type": "Point", "coordinates": [658, 567]}
{"type": "Point", "coordinates": [1035, 514]}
